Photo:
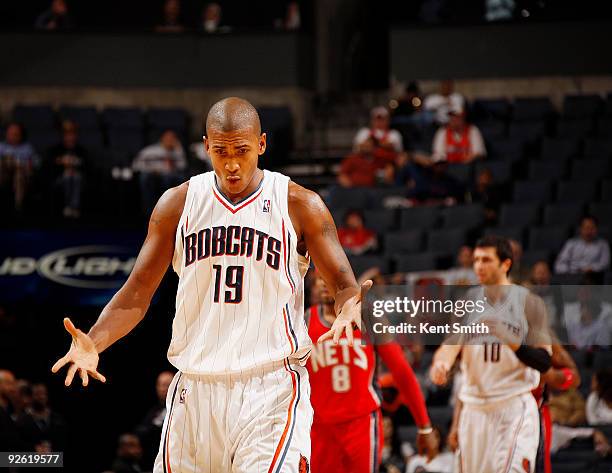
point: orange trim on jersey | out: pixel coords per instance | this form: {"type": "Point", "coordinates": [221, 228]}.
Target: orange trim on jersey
{"type": "Point", "coordinates": [234, 210]}
{"type": "Point", "coordinates": [288, 423]}
{"type": "Point", "coordinates": [167, 452]}
{"type": "Point", "coordinates": [285, 258]}
{"type": "Point", "coordinates": [287, 330]}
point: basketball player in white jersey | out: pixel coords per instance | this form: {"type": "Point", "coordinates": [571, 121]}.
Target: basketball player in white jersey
{"type": "Point", "coordinates": [499, 422]}
{"type": "Point", "coordinates": [238, 238]}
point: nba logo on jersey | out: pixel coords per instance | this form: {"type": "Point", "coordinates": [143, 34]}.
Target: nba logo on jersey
{"type": "Point", "coordinates": [182, 396]}
{"type": "Point", "coordinates": [266, 205]}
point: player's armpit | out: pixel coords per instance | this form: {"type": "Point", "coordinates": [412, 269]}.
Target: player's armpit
{"type": "Point", "coordinates": [129, 305]}
{"type": "Point", "coordinates": [315, 226]}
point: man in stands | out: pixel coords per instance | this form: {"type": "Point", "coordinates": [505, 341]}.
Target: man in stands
{"type": "Point", "coordinates": [459, 141]}
{"type": "Point", "coordinates": [585, 254]}
{"type": "Point", "coordinates": [441, 103]}
{"type": "Point", "coordinates": [387, 142]}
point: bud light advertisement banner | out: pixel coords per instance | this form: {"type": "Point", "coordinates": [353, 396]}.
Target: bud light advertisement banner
{"type": "Point", "coordinates": [76, 267]}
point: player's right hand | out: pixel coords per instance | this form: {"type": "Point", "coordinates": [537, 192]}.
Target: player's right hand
{"type": "Point", "coordinates": [82, 356]}
{"type": "Point", "coordinates": [452, 440]}
{"type": "Point", "coordinates": [439, 372]}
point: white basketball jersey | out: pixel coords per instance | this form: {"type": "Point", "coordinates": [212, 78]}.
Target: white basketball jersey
{"type": "Point", "coordinates": [492, 370]}
{"type": "Point", "coordinates": [240, 297]}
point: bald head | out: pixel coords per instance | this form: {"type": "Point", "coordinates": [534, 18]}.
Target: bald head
{"type": "Point", "coordinates": [232, 114]}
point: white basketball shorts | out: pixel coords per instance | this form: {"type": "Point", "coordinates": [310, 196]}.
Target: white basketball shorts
{"type": "Point", "coordinates": [255, 421]}
{"type": "Point", "coordinates": [501, 437]}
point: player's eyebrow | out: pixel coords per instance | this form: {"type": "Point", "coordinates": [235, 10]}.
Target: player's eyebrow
{"type": "Point", "coordinates": [245, 145]}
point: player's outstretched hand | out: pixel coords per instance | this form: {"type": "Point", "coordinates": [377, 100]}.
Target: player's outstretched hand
{"type": "Point", "coordinates": [349, 315]}
{"type": "Point", "coordinates": [82, 356]}
{"type": "Point", "coordinates": [439, 372]}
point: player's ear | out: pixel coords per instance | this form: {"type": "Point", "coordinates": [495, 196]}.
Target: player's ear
{"type": "Point", "coordinates": [205, 138]}
{"type": "Point", "coordinates": [262, 144]}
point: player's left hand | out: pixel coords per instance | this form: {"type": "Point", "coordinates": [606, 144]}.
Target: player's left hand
{"type": "Point", "coordinates": [349, 315]}
{"type": "Point", "coordinates": [427, 445]}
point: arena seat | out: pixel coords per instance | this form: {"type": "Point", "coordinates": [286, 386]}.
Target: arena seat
{"type": "Point", "coordinates": [531, 191]}
{"type": "Point", "coordinates": [547, 238]}
{"type": "Point", "coordinates": [490, 109]}
{"type": "Point", "coordinates": [575, 128]}
{"type": "Point", "coordinates": [576, 191]}
{"type": "Point", "coordinates": [559, 149]}
{"type": "Point", "coordinates": [419, 217]}
{"type": "Point", "coordinates": [526, 132]}
{"type": "Point", "coordinates": [348, 198]}
{"type": "Point", "coordinates": [447, 240]}
{"type": "Point", "coordinates": [423, 261]}
{"type": "Point", "coordinates": [43, 139]}
{"type": "Point", "coordinates": [506, 149]}
{"type": "Point", "coordinates": [563, 213]}
{"type": "Point", "coordinates": [377, 196]}
{"type": "Point", "coordinates": [407, 241]}
{"type": "Point", "coordinates": [602, 211]}
{"type": "Point", "coordinates": [532, 108]}
{"type": "Point", "coordinates": [381, 220]}
{"type": "Point", "coordinates": [467, 215]}
{"type": "Point", "coordinates": [35, 117]}
{"type": "Point", "coordinates": [492, 130]}
{"type": "Point", "coordinates": [598, 148]}
{"type": "Point", "coordinates": [129, 140]}
{"type": "Point", "coordinates": [590, 168]}
{"type": "Point", "coordinates": [546, 170]}
{"type": "Point", "coordinates": [501, 170]}
{"type": "Point", "coordinates": [606, 190]}
{"type": "Point", "coordinates": [582, 106]}
{"type": "Point", "coordinates": [461, 172]}
{"type": "Point", "coordinates": [603, 129]}
{"type": "Point", "coordinates": [361, 263]}
{"type": "Point", "coordinates": [513, 232]}
{"type": "Point", "coordinates": [530, 257]}
{"type": "Point", "coordinates": [123, 117]}
{"type": "Point", "coordinates": [519, 214]}
{"type": "Point", "coordinates": [91, 138]}
{"type": "Point", "coordinates": [167, 118]}
{"type": "Point", "coordinates": [86, 118]}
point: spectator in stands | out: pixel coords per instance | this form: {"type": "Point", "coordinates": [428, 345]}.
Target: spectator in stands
{"type": "Point", "coordinates": [161, 166]}
{"type": "Point", "coordinates": [17, 163]}
{"type": "Point", "coordinates": [410, 102]}
{"type": "Point", "coordinates": [55, 18]}
{"type": "Point", "coordinates": [592, 329]}
{"type": "Point", "coordinates": [539, 282]}
{"type": "Point", "coordinates": [567, 407]}
{"type": "Point", "coordinates": [51, 425]}
{"type": "Point", "coordinates": [387, 142]}
{"type": "Point", "coordinates": [363, 169]}
{"type": "Point", "coordinates": [499, 10]}
{"type": "Point", "coordinates": [172, 18]}
{"type": "Point", "coordinates": [599, 402]}
{"type": "Point", "coordinates": [518, 271]}
{"type": "Point", "coordinates": [149, 430]}
{"type": "Point", "coordinates": [441, 103]}
{"type": "Point", "coordinates": [585, 254]}
{"type": "Point", "coordinates": [463, 273]}
{"type": "Point", "coordinates": [487, 192]}
{"type": "Point", "coordinates": [433, 185]}
{"type": "Point", "coordinates": [293, 20]}
{"type": "Point", "coordinates": [438, 461]}
{"type": "Point", "coordinates": [17, 429]}
{"type": "Point", "coordinates": [562, 436]}
{"type": "Point", "coordinates": [391, 457]}
{"type": "Point", "coordinates": [129, 453]}
{"type": "Point", "coordinates": [211, 19]}
{"type": "Point", "coordinates": [354, 237]}
{"type": "Point", "coordinates": [67, 167]}
{"type": "Point", "coordinates": [458, 141]}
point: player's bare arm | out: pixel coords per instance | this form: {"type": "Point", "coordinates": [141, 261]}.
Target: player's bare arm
{"type": "Point", "coordinates": [315, 227]}
{"type": "Point", "coordinates": [130, 304]}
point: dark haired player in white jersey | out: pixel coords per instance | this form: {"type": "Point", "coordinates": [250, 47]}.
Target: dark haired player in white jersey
{"type": "Point", "coordinates": [499, 423]}
{"type": "Point", "coordinates": [239, 239]}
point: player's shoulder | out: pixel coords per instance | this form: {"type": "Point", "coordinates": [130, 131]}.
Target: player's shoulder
{"type": "Point", "coordinates": [301, 197]}
{"type": "Point", "coordinates": [171, 203]}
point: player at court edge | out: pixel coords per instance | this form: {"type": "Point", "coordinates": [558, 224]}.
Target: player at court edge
{"type": "Point", "coordinates": [240, 239]}
{"type": "Point", "coordinates": [498, 423]}
{"type": "Point", "coordinates": [347, 427]}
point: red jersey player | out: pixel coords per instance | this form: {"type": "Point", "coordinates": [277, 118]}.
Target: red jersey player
{"type": "Point", "coordinates": [347, 432]}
